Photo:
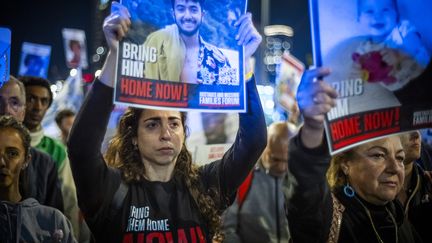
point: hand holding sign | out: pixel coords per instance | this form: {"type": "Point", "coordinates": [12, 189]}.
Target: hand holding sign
{"type": "Point", "coordinates": [248, 36]}
{"type": "Point", "coordinates": [116, 25]}
{"type": "Point", "coordinates": [315, 98]}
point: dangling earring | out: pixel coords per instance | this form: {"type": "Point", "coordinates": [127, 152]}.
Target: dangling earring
{"type": "Point", "coordinates": [348, 190]}
{"type": "Point", "coordinates": [135, 146]}
{"type": "Point", "coordinates": [24, 166]}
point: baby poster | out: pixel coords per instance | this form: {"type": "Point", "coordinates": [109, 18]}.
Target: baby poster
{"type": "Point", "coordinates": [182, 55]}
{"type": "Point", "coordinates": [379, 67]}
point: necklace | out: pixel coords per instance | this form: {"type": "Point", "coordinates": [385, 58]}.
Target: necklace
{"type": "Point", "coordinates": [373, 225]}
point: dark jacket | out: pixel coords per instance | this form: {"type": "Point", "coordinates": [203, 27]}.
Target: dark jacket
{"type": "Point", "coordinates": [40, 180]}
{"type": "Point", "coordinates": [261, 216]}
{"type": "Point", "coordinates": [425, 160]}
{"type": "Point", "coordinates": [316, 214]}
{"type": "Point", "coordinates": [418, 207]}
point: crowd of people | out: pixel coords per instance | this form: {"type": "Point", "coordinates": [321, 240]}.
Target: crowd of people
{"type": "Point", "coordinates": [274, 184]}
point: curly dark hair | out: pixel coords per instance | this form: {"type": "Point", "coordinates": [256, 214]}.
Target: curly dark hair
{"type": "Point", "coordinates": [7, 121]}
{"type": "Point", "coordinates": [122, 154]}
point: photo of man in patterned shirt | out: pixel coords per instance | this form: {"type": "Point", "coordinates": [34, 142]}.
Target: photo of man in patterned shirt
{"type": "Point", "coordinates": [182, 53]}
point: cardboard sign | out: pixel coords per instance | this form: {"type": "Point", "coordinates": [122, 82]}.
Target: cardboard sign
{"type": "Point", "coordinates": [169, 61]}
{"type": "Point", "coordinates": [381, 70]}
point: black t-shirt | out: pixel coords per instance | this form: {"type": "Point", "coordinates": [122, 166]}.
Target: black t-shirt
{"type": "Point", "coordinates": [153, 212]}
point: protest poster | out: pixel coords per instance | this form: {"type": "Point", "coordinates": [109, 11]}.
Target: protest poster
{"type": "Point", "coordinates": [182, 57]}
{"type": "Point", "coordinates": [75, 48]}
{"type": "Point", "coordinates": [206, 153]}
{"type": "Point", "coordinates": [5, 45]}
{"type": "Point", "coordinates": [288, 78]}
{"type": "Point", "coordinates": [34, 60]}
{"type": "Point", "coordinates": [211, 128]}
{"type": "Point", "coordinates": [379, 67]}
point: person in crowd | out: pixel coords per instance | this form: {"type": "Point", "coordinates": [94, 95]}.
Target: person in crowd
{"type": "Point", "coordinates": [416, 194]}
{"type": "Point", "coordinates": [183, 55]}
{"type": "Point", "coordinates": [34, 65]}
{"type": "Point", "coordinates": [425, 160]}
{"type": "Point", "coordinates": [38, 100]}
{"type": "Point", "coordinates": [258, 214]}
{"type": "Point", "coordinates": [152, 191]}
{"type": "Point", "coordinates": [39, 179]}
{"type": "Point", "coordinates": [357, 202]}
{"type": "Point", "coordinates": [75, 48]}
{"type": "Point", "coordinates": [24, 220]}
{"type": "Point", "coordinates": [64, 120]}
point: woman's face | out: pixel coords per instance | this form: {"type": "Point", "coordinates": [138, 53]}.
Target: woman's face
{"type": "Point", "coordinates": [376, 171]}
{"type": "Point", "coordinates": [160, 136]}
{"type": "Point", "coordinates": [12, 157]}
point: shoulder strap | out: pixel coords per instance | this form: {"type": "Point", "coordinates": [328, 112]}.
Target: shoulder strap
{"type": "Point", "coordinates": [338, 210]}
{"type": "Point", "coordinates": [244, 189]}
{"type": "Point", "coordinates": [118, 199]}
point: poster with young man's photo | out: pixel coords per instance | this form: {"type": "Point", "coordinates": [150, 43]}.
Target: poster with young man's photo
{"type": "Point", "coordinates": [380, 67]}
{"type": "Point", "coordinates": [182, 55]}
{"type": "Point", "coordinates": [34, 60]}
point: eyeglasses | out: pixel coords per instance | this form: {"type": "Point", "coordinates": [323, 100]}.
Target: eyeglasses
{"type": "Point", "coordinates": [13, 103]}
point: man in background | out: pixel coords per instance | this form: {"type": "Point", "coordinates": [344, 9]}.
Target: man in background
{"type": "Point", "coordinates": [416, 194]}
{"type": "Point", "coordinates": [64, 120]}
{"type": "Point", "coordinates": [258, 213]}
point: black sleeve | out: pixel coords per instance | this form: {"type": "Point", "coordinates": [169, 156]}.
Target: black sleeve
{"type": "Point", "coordinates": [95, 182]}
{"type": "Point", "coordinates": [228, 173]}
{"type": "Point", "coordinates": [310, 207]}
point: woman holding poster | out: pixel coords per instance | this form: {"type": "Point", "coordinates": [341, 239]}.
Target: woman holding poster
{"type": "Point", "coordinates": [381, 65]}
{"type": "Point", "coordinates": [357, 202]}
{"type": "Point", "coordinates": [152, 192]}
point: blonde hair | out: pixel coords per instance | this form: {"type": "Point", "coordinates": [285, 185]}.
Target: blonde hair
{"type": "Point", "coordinates": [335, 175]}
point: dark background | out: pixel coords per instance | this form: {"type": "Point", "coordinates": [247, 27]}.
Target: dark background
{"type": "Point", "coordinates": [41, 21]}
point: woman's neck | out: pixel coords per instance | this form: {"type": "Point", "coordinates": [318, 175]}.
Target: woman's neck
{"type": "Point", "coordinates": [155, 172]}
{"type": "Point", "coordinates": [10, 194]}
